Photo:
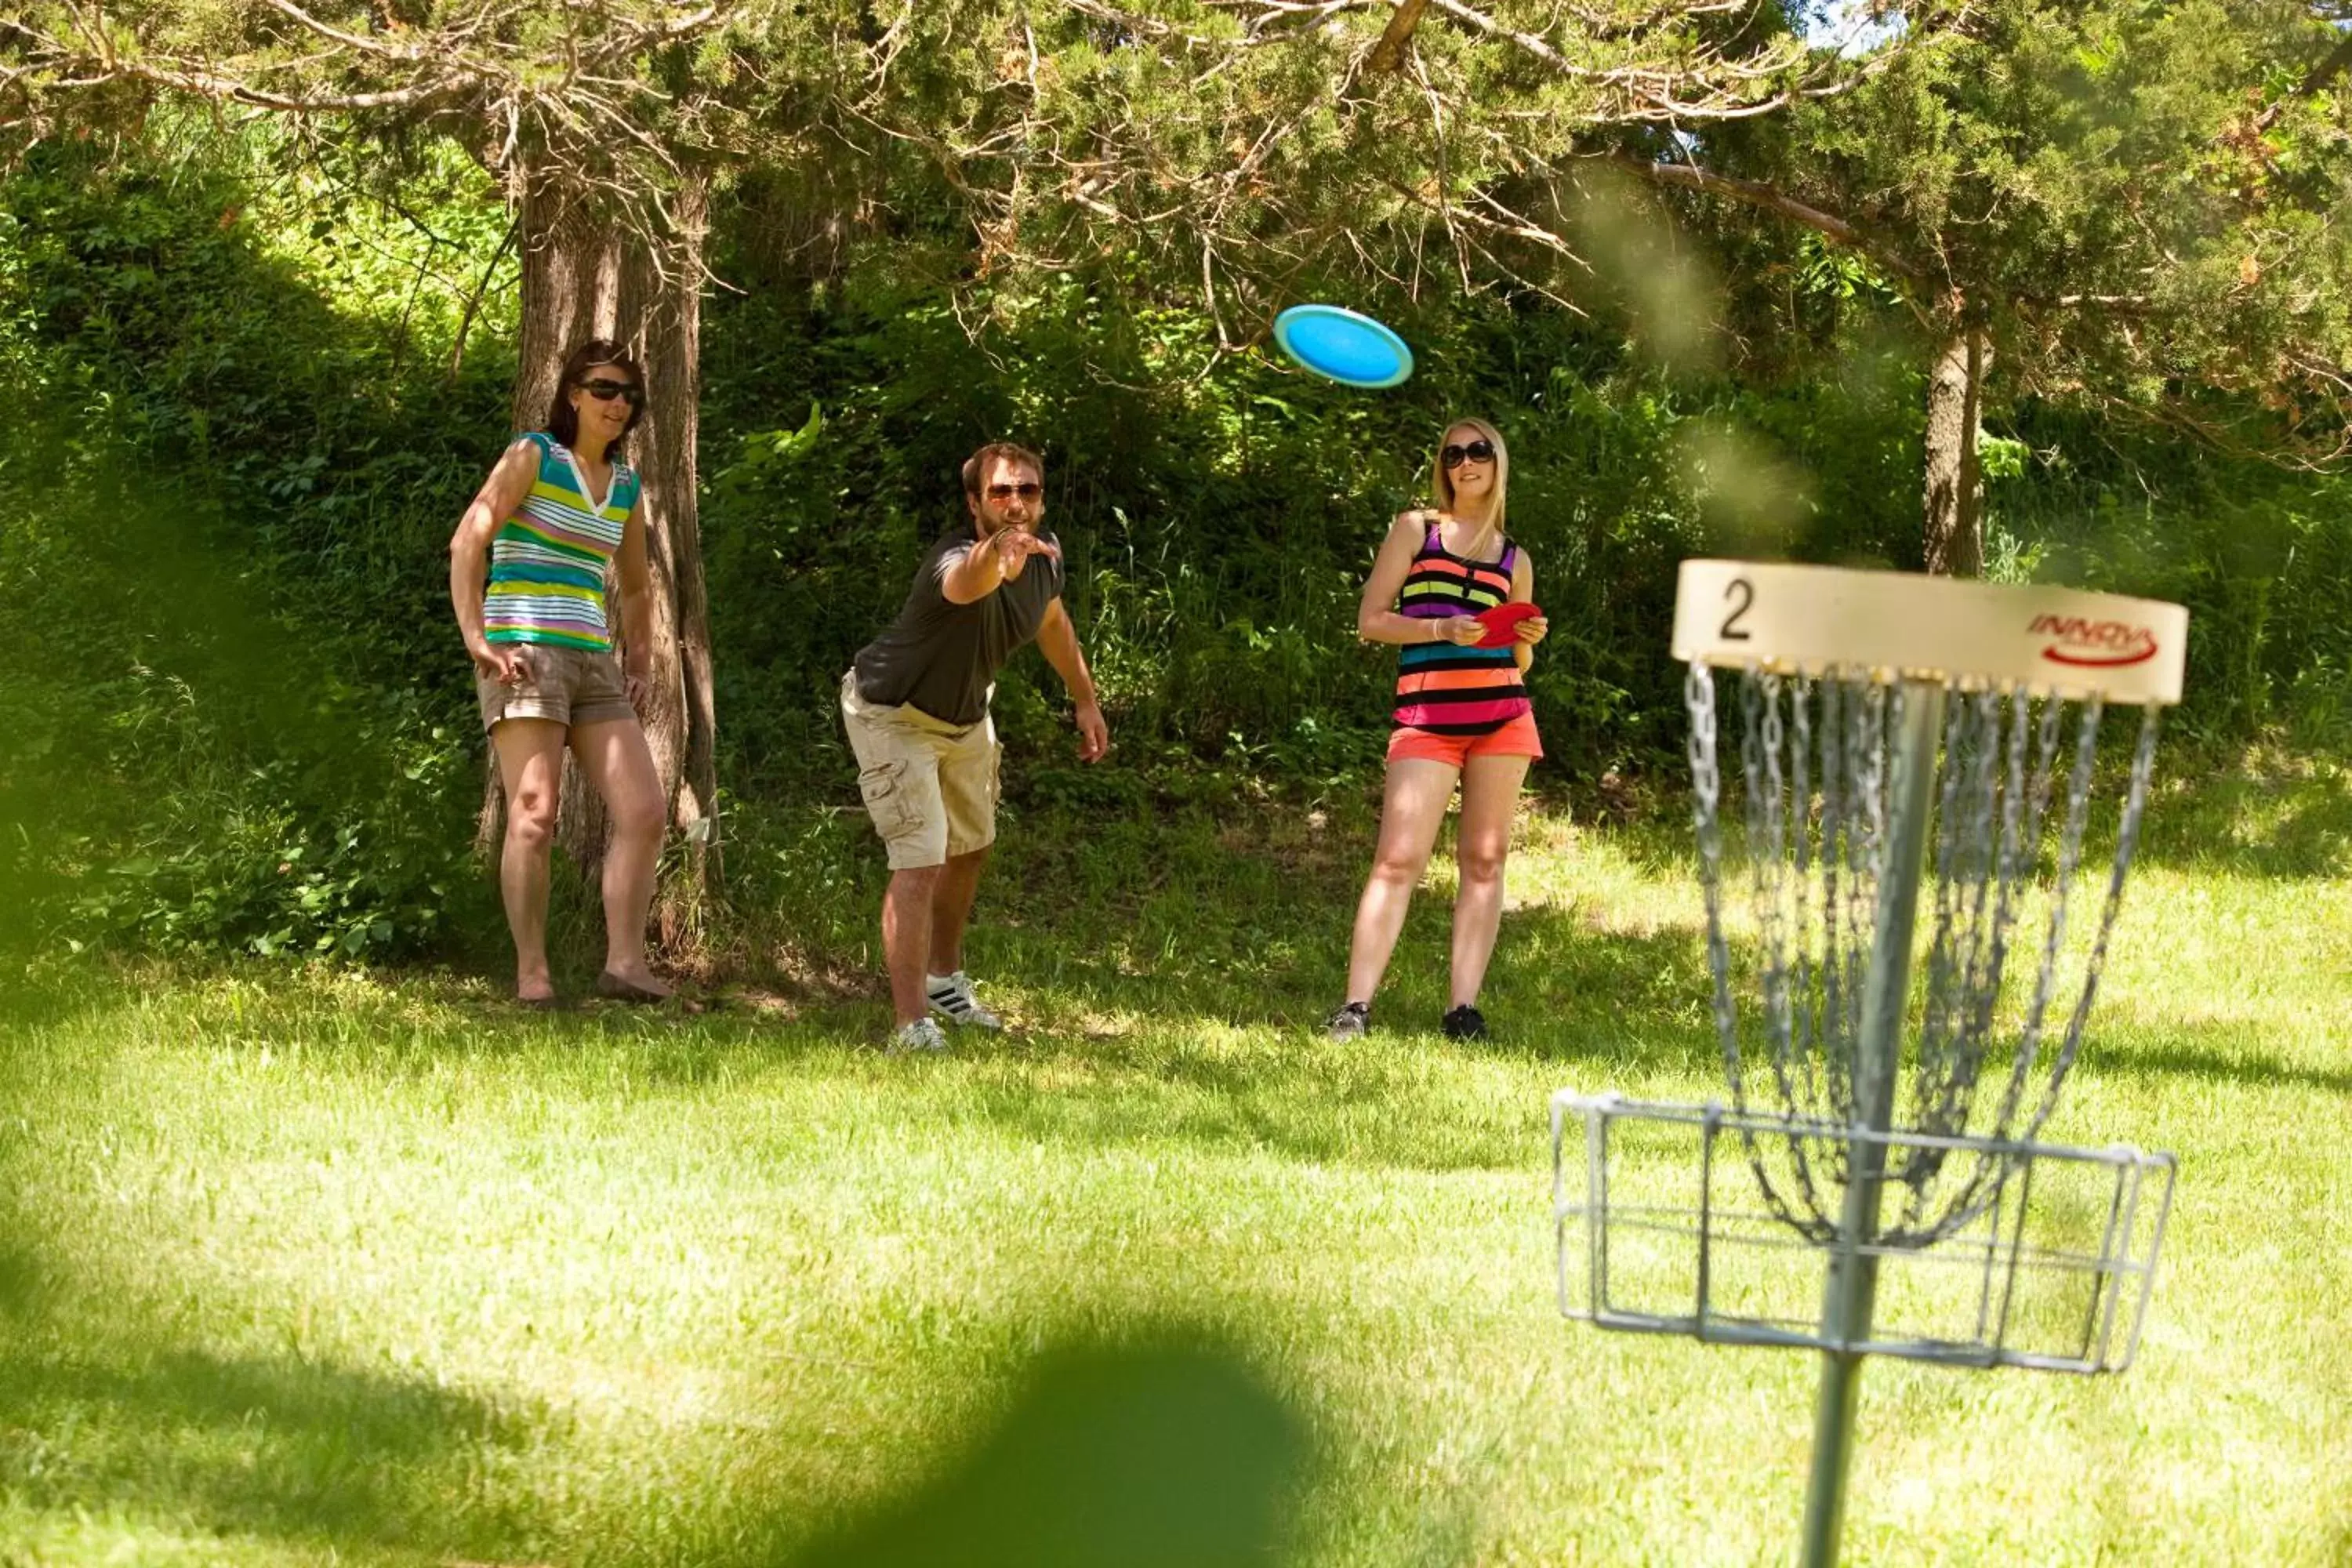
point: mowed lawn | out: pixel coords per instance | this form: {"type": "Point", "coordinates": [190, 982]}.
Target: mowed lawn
{"type": "Point", "coordinates": [315, 1267]}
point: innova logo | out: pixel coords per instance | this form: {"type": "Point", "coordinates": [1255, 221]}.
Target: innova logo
{"type": "Point", "coordinates": [2098, 645]}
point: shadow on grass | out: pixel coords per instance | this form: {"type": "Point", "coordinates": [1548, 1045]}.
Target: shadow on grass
{"type": "Point", "coordinates": [1178, 1016]}
{"type": "Point", "coordinates": [1170, 1453]}
{"type": "Point", "coordinates": [34, 999]}
{"type": "Point", "coordinates": [1250, 928]}
{"type": "Point", "coordinates": [1570, 1003]}
{"type": "Point", "coordinates": [2258, 817]}
{"type": "Point", "coordinates": [2184, 1058]}
{"type": "Point", "coordinates": [105, 1416]}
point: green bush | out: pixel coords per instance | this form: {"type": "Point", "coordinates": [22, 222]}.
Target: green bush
{"type": "Point", "coordinates": [242, 722]}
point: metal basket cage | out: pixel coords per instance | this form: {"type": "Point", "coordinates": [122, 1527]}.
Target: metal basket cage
{"type": "Point", "coordinates": [1663, 1229]}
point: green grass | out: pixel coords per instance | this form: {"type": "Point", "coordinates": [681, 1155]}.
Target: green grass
{"type": "Point", "coordinates": [297, 1267]}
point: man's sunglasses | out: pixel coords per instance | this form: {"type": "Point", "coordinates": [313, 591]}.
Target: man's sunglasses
{"type": "Point", "coordinates": [1027, 490]}
{"type": "Point", "coordinates": [604, 391]}
{"type": "Point", "coordinates": [1479, 451]}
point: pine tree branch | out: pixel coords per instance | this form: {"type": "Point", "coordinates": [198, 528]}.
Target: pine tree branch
{"type": "Point", "coordinates": [1853, 237]}
{"type": "Point", "coordinates": [206, 85]}
{"type": "Point", "coordinates": [405, 54]}
{"type": "Point", "coordinates": [1771, 199]}
{"type": "Point", "coordinates": [1388, 55]}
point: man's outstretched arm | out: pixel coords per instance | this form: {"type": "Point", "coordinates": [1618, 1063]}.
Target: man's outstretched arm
{"type": "Point", "coordinates": [1057, 639]}
{"type": "Point", "coordinates": [990, 563]}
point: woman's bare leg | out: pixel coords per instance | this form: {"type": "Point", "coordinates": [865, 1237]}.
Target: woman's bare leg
{"type": "Point", "coordinates": [1413, 808]}
{"type": "Point", "coordinates": [531, 770]}
{"type": "Point", "coordinates": [1490, 803]}
{"type": "Point", "coordinates": [620, 765]}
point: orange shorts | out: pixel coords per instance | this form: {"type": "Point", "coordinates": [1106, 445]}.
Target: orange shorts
{"type": "Point", "coordinates": [1515, 739]}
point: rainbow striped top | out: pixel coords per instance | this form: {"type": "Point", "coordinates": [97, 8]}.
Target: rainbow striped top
{"type": "Point", "coordinates": [548, 560]}
{"type": "Point", "coordinates": [1444, 689]}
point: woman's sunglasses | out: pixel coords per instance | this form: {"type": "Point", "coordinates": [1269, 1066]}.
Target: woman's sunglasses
{"type": "Point", "coordinates": [1026, 490]}
{"type": "Point", "coordinates": [1479, 451]}
{"type": "Point", "coordinates": [604, 391]}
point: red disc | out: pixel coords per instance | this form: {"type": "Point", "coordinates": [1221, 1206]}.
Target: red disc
{"type": "Point", "coordinates": [1502, 624]}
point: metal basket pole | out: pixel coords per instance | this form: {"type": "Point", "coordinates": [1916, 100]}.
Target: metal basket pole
{"type": "Point", "coordinates": [1847, 1298]}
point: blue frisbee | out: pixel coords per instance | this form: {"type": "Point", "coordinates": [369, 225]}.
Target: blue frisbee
{"type": "Point", "coordinates": [1348, 347]}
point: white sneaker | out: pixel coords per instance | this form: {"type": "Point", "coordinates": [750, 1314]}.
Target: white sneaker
{"type": "Point", "coordinates": [951, 998]}
{"type": "Point", "coordinates": [922, 1034]}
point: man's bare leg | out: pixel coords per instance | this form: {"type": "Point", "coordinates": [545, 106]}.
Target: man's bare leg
{"type": "Point", "coordinates": [952, 908]}
{"type": "Point", "coordinates": [907, 906]}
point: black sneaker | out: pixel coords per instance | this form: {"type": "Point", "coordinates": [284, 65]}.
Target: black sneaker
{"type": "Point", "coordinates": [1465, 1023]}
{"type": "Point", "coordinates": [1352, 1022]}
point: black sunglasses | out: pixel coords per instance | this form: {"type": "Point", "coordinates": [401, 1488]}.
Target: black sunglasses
{"type": "Point", "coordinates": [604, 391]}
{"type": "Point", "coordinates": [1028, 489]}
{"type": "Point", "coordinates": [1479, 451]}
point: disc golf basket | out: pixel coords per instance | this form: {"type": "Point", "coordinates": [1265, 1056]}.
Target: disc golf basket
{"type": "Point", "coordinates": [1905, 752]}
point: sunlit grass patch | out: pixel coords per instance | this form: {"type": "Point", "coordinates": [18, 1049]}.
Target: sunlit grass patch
{"type": "Point", "coordinates": [301, 1262]}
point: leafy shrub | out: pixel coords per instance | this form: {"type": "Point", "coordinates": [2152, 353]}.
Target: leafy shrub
{"type": "Point", "coordinates": [245, 724]}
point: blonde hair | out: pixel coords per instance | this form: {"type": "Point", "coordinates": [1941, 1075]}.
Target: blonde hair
{"type": "Point", "coordinates": [1443, 482]}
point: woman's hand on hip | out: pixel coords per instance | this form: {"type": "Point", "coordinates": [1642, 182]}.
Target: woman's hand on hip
{"type": "Point", "coordinates": [508, 664]}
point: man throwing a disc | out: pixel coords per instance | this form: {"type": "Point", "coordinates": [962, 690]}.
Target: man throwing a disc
{"type": "Point", "coordinates": [916, 702]}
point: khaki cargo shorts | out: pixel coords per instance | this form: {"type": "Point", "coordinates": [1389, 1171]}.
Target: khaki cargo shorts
{"type": "Point", "coordinates": [931, 786]}
{"type": "Point", "coordinates": [567, 685]}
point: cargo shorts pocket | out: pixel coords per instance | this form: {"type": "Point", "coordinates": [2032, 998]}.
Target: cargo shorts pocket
{"type": "Point", "coordinates": [896, 811]}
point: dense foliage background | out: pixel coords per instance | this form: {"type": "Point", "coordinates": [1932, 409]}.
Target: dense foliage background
{"type": "Point", "coordinates": [254, 389]}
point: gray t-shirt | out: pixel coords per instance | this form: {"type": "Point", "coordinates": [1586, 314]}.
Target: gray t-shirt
{"type": "Point", "coordinates": [942, 657]}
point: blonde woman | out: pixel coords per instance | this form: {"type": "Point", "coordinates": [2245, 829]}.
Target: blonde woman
{"type": "Point", "coordinates": [1462, 717]}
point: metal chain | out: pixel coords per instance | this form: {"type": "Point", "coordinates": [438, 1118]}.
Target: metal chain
{"type": "Point", "coordinates": [1994, 1170]}
{"type": "Point", "coordinates": [2070, 855]}
{"type": "Point", "coordinates": [1707, 795]}
{"type": "Point", "coordinates": [1965, 977]}
{"type": "Point", "coordinates": [2143, 768]}
{"type": "Point", "coordinates": [1800, 797]}
{"type": "Point", "coordinates": [1980, 984]}
{"type": "Point", "coordinates": [1699, 696]}
{"type": "Point", "coordinates": [1836, 833]}
{"type": "Point", "coordinates": [1950, 880]}
{"type": "Point", "coordinates": [1866, 864]}
{"type": "Point", "coordinates": [2027, 812]}
{"type": "Point", "coordinates": [1815, 774]}
{"type": "Point", "coordinates": [1798, 1064]}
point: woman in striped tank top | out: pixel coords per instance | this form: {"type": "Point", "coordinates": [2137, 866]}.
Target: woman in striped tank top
{"type": "Point", "coordinates": [527, 573]}
{"type": "Point", "coordinates": [1462, 717]}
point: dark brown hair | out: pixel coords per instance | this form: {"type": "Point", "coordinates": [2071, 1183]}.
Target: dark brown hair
{"type": "Point", "coordinates": [975, 468]}
{"type": "Point", "coordinates": [563, 420]}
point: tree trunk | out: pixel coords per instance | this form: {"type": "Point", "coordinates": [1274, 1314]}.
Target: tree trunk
{"type": "Point", "coordinates": [1955, 481]}
{"type": "Point", "coordinates": [583, 276]}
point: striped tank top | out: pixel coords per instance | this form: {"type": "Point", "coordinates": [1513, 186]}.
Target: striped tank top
{"type": "Point", "coordinates": [1444, 689]}
{"type": "Point", "coordinates": [548, 560]}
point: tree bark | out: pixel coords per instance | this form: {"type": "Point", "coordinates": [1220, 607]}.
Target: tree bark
{"type": "Point", "coordinates": [583, 276]}
{"type": "Point", "coordinates": [1954, 495]}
